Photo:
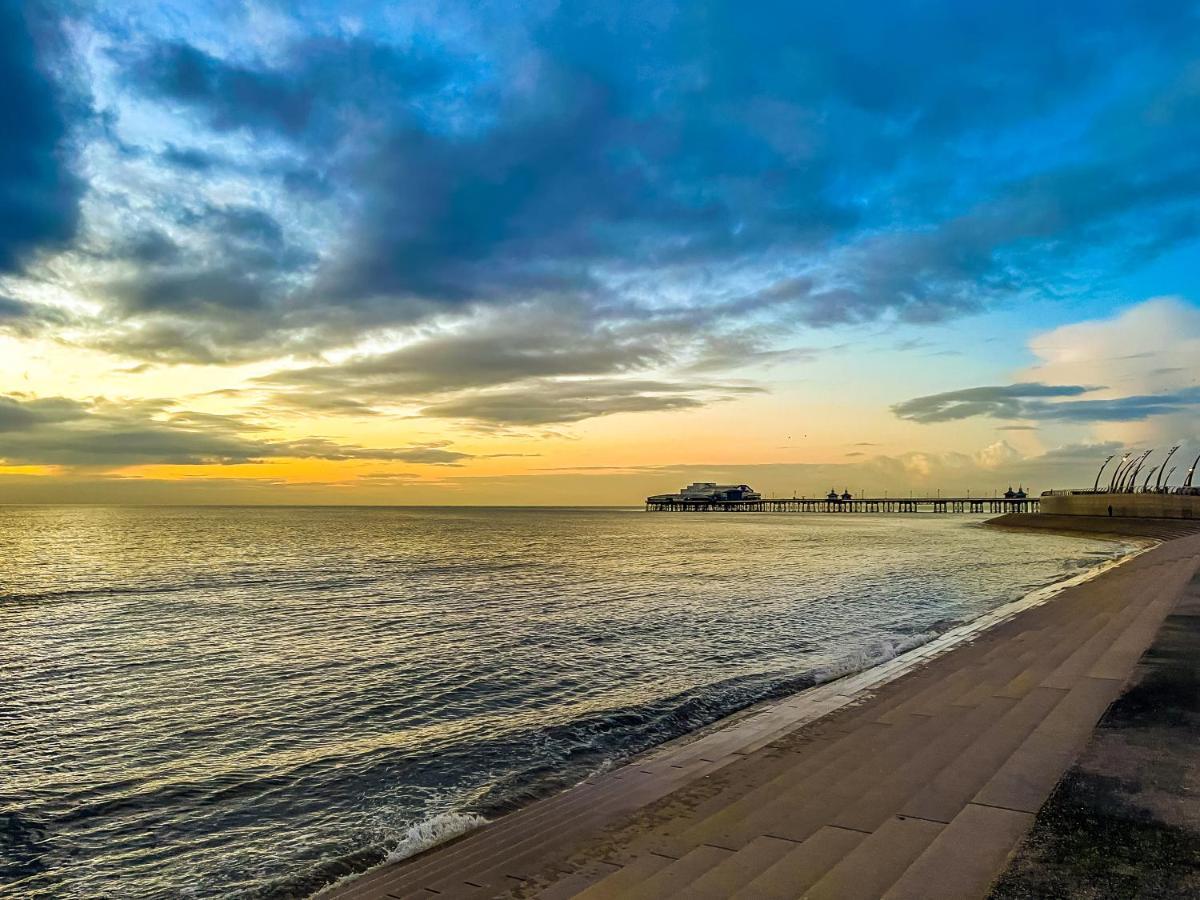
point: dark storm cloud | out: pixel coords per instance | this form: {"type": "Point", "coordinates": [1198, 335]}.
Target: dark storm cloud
{"type": "Point", "coordinates": [39, 192]}
{"type": "Point", "coordinates": [98, 433]}
{"type": "Point", "coordinates": [1029, 401]}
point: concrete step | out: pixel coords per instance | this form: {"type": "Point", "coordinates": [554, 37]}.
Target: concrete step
{"type": "Point", "coordinates": [965, 857]}
{"type": "Point", "coordinates": [724, 879]}
{"type": "Point", "coordinates": [682, 872]}
{"type": "Point", "coordinates": [1026, 778]}
{"type": "Point", "coordinates": [944, 795]}
{"type": "Point", "coordinates": [1085, 655]}
{"type": "Point", "coordinates": [888, 795]}
{"type": "Point", "coordinates": [615, 886]}
{"type": "Point", "coordinates": [737, 801]}
{"type": "Point", "coordinates": [798, 869]}
{"type": "Point", "coordinates": [523, 852]}
{"type": "Point", "coordinates": [508, 846]}
{"type": "Point", "coordinates": [877, 862]}
{"type": "Point", "coordinates": [826, 768]}
{"type": "Point", "coordinates": [796, 815]}
{"type": "Point", "coordinates": [575, 883]}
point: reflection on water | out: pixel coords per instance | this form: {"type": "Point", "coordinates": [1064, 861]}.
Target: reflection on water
{"type": "Point", "coordinates": [253, 701]}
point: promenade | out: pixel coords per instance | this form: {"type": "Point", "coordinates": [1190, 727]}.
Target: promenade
{"type": "Point", "coordinates": [917, 779]}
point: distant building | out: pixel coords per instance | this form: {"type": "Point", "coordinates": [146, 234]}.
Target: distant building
{"type": "Point", "coordinates": [833, 496]}
{"type": "Point", "coordinates": [1018, 494]}
{"type": "Point", "coordinates": [710, 490]}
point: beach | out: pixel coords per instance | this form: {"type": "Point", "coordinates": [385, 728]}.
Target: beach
{"type": "Point", "coordinates": [918, 778]}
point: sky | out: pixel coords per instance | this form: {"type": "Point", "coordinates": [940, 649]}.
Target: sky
{"type": "Point", "coordinates": [576, 253]}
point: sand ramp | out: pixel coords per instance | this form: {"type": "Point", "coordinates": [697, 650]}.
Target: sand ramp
{"type": "Point", "coordinates": [923, 789]}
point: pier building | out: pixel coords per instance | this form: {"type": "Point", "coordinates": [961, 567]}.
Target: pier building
{"type": "Point", "coordinates": [709, 491]}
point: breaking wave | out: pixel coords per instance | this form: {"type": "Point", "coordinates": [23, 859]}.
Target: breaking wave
{"type": "Point", "coordinates": [431, 832]}
{"type": "Point", "coordinates": [872, 655]}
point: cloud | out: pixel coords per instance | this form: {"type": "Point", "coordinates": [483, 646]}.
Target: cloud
{"type": "Point", "coordinates": [998, 401]}
{"type": "Point", "coordinates": [189, 158]}
{"type": "Point", "coordinates": [546, 402]}
{"type": "Point", "coordinates": [106, 434]}
{"type": "Point", "coordinates": [1021, 401]}
{"type": "Point", "coordinates": [39, 191]}
{"type": "Point", "coordinates": [735, 174]}
{"type": "Point", "coordinates": [1127, 350]}
{"type": "Point", "coordinates": [27, 319]}
{"type": "Point", "coordinates": [996, 455]}
{"type": "Point", "coordinates": [485, 351]}
{"type": "Point", "coordinates": [1144, 348]}
{"type": "Point", "coordinates": [531, 365]}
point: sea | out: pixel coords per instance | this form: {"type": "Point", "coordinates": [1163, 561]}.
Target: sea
{"type": "Point", "coordinates": [254, 702]}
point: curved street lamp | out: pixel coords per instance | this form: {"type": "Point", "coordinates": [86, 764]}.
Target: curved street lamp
{"type": "Point", "coordinates": [1132, 481]}
{"type": "Point", "coordinates": [1149, 475]}
{"type": "Point", "coordinates": [1167, 480]}
{"type": "Point", "coordinates": [1130, 469]}
{"type": "Point", "coordinates": [1163, 467]}
{"type": "Point", "coordinates": [1112, 482]}
{"type": "Point", "coordinates": [1096, 486]}
{"type": "Point", "coordinates": [1192, 471]}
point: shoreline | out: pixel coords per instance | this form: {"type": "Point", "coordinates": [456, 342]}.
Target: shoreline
{"type": "Point", "coordinates": [1116, 528]}
{"type": "Point", "coordinates": [701, 753]}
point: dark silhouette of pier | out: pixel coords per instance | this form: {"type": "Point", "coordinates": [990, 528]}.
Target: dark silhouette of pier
{"type": "Point", "coordinates": [996, 505]}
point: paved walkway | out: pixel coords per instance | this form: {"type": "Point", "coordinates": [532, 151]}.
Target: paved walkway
{"type": "Point", "coordinates": [923, 790]}
{"type": "Point", "coordinates": [1125, 821]}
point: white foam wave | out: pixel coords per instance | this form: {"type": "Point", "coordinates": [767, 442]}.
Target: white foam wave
{"type": "Point", "coordinates": [871, 656]}
{"type": "Point", "coordinates": [434, 831]}
{"type": "Point", "coordinates": [417, 838]}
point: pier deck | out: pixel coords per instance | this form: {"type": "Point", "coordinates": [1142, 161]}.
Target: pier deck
{"type": "Point", "coordinates": [922, 789]}
{"type": "Point", "coordinates": [999, 505]}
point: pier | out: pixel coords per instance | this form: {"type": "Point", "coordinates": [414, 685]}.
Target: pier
{"type": "Point", "coordinates": [998, 505]}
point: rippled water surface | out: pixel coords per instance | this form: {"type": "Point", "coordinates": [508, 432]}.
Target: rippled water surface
{"type": "Point", "coordinates": [231, 702]}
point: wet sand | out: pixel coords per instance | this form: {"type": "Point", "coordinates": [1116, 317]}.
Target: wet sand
{"type": "Point", "coordinates": [916, 779]}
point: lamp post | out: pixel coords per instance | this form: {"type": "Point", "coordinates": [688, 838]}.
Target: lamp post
{"type": "Point", "coordinates": [1134, 468]}
{"type": "Point", "coordinates": [1149, 475]}
{"type": "Point", "coordinates": [1124, 470]}
{"type": "Point", "coordinates": [1191, 472]}
{"type": "Point", "coordinates": [1096, 486]}
{"type": "Point", "coordinates": [1112, 483]}
{"type": "Point", "coordinates": [1163, 467]}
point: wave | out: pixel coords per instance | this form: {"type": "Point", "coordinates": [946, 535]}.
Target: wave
{"type": "Point", "coordinates": [872, 655]}
{"type": "Point", "coordinates": [434, 831]}
{"type": "Point", "coordinates": [417, 838]}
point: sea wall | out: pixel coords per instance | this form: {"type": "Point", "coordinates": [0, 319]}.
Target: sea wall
{"type": "Point", "coordinates": [1141, 506]}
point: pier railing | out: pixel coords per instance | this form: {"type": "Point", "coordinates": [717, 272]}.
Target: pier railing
{"type": "Point", "coordinates": [863, 505]}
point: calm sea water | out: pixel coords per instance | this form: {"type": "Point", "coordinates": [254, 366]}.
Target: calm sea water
{"type": "Point", "coordinates": [249, 702]}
